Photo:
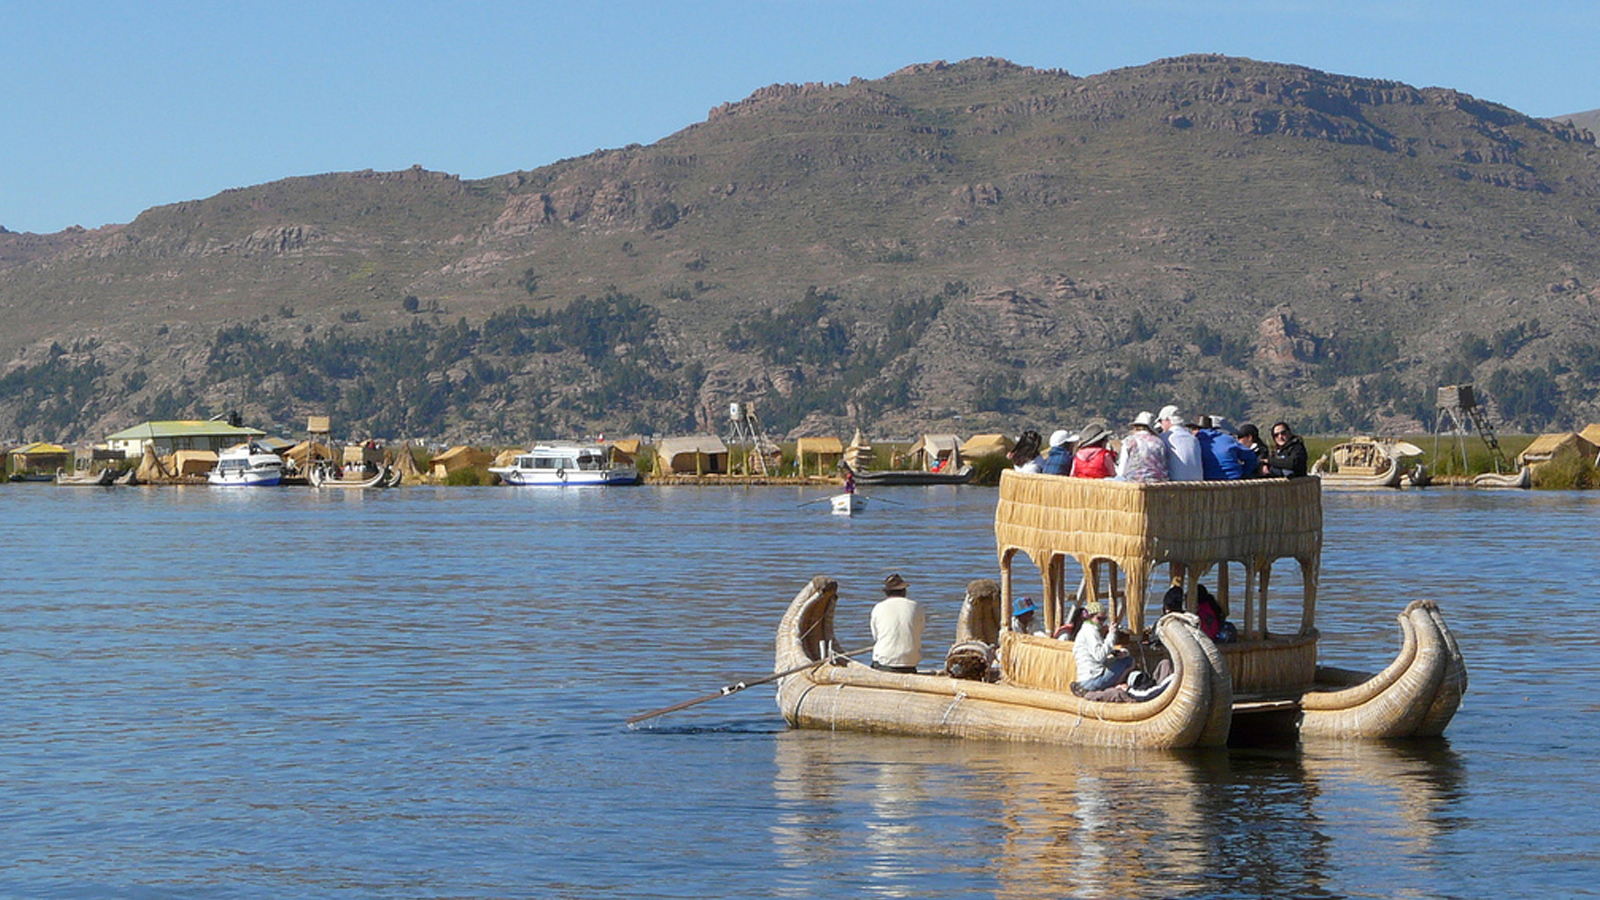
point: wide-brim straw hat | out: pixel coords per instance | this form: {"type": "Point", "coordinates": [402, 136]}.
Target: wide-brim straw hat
{"type": "Point", "coordinates": [1092, 433]}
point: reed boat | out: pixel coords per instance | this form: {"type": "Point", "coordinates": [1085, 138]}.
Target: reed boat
{"type": "Point", "coordinates": [102, 478]}
{"type": "Point", "coordinates": [1521, 478]}
{"type": "Point", "coordinates": [1367, 462]}
{"type": "Point", "coordinates": [354, 478]}
{"type": "Point", "coordinates": [1116, 534]}
{"type": "Point", "coordinates": [837, 693]}
{"type": "Point", "coordinates": [961, 475]}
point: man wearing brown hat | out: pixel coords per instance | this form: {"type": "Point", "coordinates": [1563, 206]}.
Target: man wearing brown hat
{"type": "Point", "coordinates": [897, 623]}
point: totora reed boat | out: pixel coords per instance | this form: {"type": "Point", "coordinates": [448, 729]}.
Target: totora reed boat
{"type": "Point", "coordinates": [1000, 684]}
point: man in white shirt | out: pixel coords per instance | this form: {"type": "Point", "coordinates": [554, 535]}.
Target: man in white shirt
{"type": "Point", "coordinates": [897, 624]}
{"type": "Point", "coordinates": [1184, 462]}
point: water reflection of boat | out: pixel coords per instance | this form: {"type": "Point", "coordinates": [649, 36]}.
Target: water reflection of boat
{"type": "Point", "coordinates": [1117, 529]}
{"type": "Point", "coordinates": [1079, 822]}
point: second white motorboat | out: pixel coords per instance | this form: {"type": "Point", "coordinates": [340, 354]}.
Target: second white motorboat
{"type": "Point", "coordinates": [247, 465]}
{"type": "Point", "coordinates": [557, 464]}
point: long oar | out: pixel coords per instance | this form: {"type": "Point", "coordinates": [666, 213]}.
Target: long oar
{"type": "Point", "coordinates": [818, 500]}
{"type": "Point", "coordinates": [736, 687]}
{"type": "Point", "coordinates": [876, 499]}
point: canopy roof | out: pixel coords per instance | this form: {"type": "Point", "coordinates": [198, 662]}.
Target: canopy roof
{"type": "Point", "coordinates": [937, 444]}
{"type": "Point", "coordinates": [818, 445]}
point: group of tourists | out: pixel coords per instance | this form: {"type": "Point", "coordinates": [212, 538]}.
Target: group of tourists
{"type": "Point", "coordinates": [1166, 447]}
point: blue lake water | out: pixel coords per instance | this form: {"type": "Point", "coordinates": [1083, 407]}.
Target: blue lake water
{"type": "Point", "coordinates": [420, 693]}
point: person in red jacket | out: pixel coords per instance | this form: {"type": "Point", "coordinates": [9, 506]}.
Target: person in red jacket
{"type": "Point", "coordinates": [1094, 459]}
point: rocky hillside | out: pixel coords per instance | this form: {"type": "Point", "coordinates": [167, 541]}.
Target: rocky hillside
{"type": "Point", "coordinates": [972, 246]}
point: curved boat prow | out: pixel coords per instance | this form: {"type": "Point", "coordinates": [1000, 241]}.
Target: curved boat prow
{"type": "Point", "coordinates": [1415, 696]}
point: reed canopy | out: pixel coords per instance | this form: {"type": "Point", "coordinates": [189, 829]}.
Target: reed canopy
{"type": "Point", "coordinates": [1121, 531]}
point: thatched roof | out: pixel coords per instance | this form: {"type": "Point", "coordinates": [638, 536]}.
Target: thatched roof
{"type": "Point", "coordinates": [987, 445]}
{"type": "Point", "coordinates": [827, 445]}
{"type": "Point", "coordinates": [1591, 433]}
{"type": "Point", "coordinates": [1546, 447]}
{"type": "Point", "coordinates": [462, 458]}
{"type": "Point", "coordinates": [192, 462]}
{"type": "Point", "coordinates": [699, 453]}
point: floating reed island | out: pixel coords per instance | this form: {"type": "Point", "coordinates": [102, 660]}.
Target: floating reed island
{"type": "Point", "coordinates": [1115, 535]}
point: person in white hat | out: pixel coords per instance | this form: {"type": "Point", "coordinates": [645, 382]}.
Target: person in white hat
{"type": "Point", "coordinates": [1059, 460]}
{"type": "Point", "coordinates": [1164, 419]}
{"type": "Point", "coordinates": [1144, 454]}
{"type": "Point", "coordinates": [1183, 451]}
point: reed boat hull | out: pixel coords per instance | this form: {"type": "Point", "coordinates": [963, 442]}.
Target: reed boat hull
{"type": "Point", "coordinates": [102, 478]}
{"type": "Point", "coordinates": [1194, 711]}
{"type": "Point", "coordinates": [1522, 478]}
{"type": "Point", "coordinates": [915, 476]}
{"type": "Point", "coordinates": [1415, 696]}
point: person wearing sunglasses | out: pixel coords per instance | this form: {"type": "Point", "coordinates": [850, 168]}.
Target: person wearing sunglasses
{"type": "Point", "coordinates": [1288, 456]}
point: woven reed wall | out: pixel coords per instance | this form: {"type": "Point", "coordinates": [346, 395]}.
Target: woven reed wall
{"type": "Point", "coordinates": [1178, 521]}
{"type": "Point", "coordinates": [1038, 662]}
{"type": "Point", "coordinates": [1278, 664]}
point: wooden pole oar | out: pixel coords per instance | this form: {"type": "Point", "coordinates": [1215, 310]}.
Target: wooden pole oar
{"type": "Point", "coordinates": [818, 500]}
{"type": "Point", "coordinates": [738, 686]}
{"type": "Point", "coordinates": [876, 499]}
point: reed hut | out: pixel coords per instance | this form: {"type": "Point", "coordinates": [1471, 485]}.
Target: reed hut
{"type": "Point", "coordinates": [192, 463]}
{"type": "Point", "coordinates": [701, 454]}
{"type": "Point", "coordinates": [40, 458]}
{"type": "Point", "coordinates": [986, 445]}
{"type": "Point", "coordinates": [625, 450]}
{"type": "Point", "coordinates": [1591, 433]}
{"type": "Point", "coordinates": [1549, 447]}
{"type": "Point", "coordinates": [460, 457]}
{"type": "Point", "coordinates": [818, 455]}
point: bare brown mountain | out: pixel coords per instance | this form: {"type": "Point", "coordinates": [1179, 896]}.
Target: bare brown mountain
{"type": "Point", "coordinates": [1010, 246]}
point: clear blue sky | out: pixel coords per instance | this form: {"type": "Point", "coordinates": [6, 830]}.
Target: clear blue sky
{"type": "Point", "coordinates": [110, 108]}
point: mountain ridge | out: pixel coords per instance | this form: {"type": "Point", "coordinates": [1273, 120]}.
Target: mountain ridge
{"type": "Point", "coordinates": [1257, 238]}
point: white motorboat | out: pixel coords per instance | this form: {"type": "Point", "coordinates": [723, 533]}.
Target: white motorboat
{"type": "Point", "coordinates": [561, 463]}
{"type": "Point", "coordinates": [247, 465]}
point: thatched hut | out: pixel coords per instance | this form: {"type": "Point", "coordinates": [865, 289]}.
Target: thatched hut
{"type": "Point", "coordinates": [701, 454]}
{"type": "Point", "coordinates": [986, 445]}
{"type": "Point", "coordinates": [625, 450]}
{"type": "Point", "coordinates": [1549, 447]}
{"type": "Point", "coordinates": [40, 458]}
{"type": "Point", "coordinates": [818, 455]}
{"type": "Point", "coordinates": [460, 457]}
{"type": "Point", "coordinates": [192, 463]}
{"type": "Point", "coordinates": [1591, 433]}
